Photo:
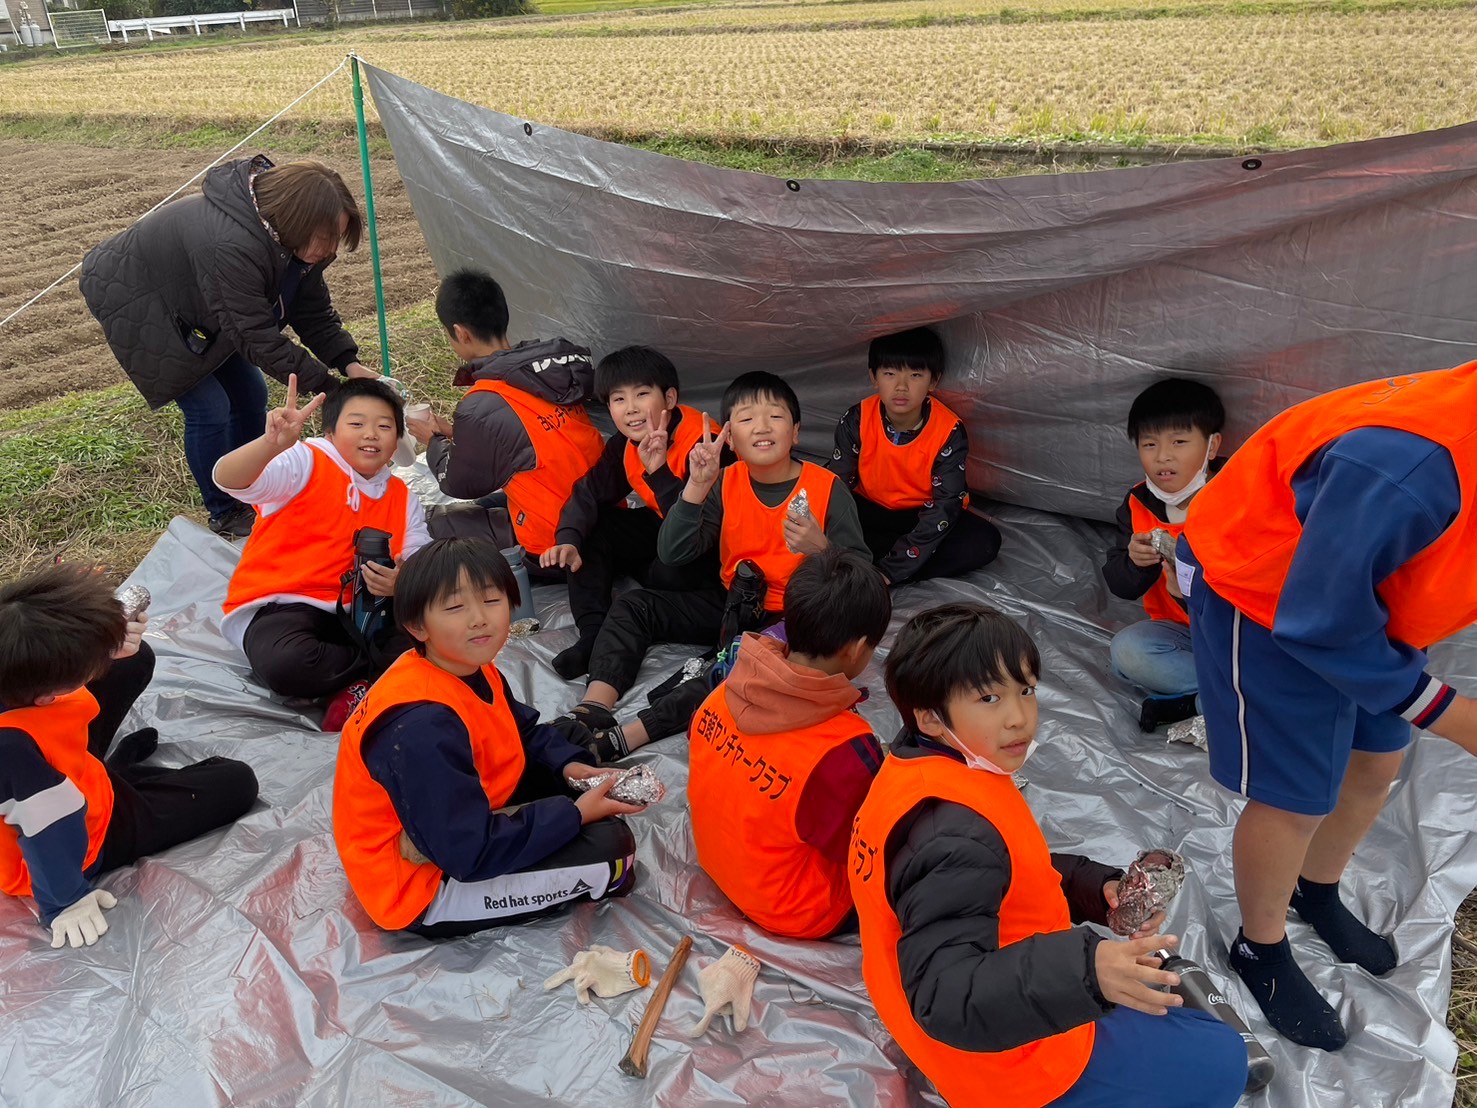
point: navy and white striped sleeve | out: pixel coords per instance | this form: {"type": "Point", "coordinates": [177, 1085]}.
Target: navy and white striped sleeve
{"type": "Point", "coordinates": [49, 814]}
{"type": "Point", "coordinates": [1398, 492]}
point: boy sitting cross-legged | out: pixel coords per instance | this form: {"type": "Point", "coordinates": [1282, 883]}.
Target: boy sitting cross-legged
{"type": "Point", "coordinates": [903, 455]}
{"type": "Point", "coordinates": [600, 538]}
{"type": "Point", "coordinates": [748, 511]}
{"type": "Point", "coordinates": [779, 760]}
{"type": "Point", "coordinates": [311, 498]}
{"type": "Point", "coordinates": [451, 806]}
{"type": "Point", "coordinates": [71, 667]}
{"type": "Point", "coordinates": [1176, 426]}
{"type": "Point", "coordinates": [968, 946]}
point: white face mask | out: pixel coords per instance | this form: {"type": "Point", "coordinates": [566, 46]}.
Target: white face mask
{"type": "Point", "coordinates": [976, 761]}
{"type": "Point", "coordinates": [1175, 499]}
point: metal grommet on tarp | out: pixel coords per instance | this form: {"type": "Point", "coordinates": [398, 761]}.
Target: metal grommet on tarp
{"type": "Point", "coordinates": [793, 185]}
{"type": "Point", "coordinates": [1252, 163]}
{"type": "Point", "coordinates": [528, 128]}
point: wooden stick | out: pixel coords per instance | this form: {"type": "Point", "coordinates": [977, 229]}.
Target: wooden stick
{"type": "Point", "coordinates": [634, 1063]}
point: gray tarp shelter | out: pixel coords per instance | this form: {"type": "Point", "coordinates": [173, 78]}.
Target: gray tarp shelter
{"type": "Point", "coordinates": [241, 970]}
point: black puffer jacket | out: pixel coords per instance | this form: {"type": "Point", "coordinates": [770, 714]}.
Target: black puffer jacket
{"type": "Point", "coordinates": [206, 261]}
{"type": "Point", "coordinates": [948, 870]}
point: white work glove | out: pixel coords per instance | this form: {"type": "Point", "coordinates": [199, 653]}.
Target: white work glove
{"type": "Point", "coordinates": [728, 981]}
{"type": "Point", "coordinates": [81, 923]}
{"type": "Point", "coordinates": [604, 971]}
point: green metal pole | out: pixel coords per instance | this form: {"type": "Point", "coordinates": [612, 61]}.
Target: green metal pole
{"type": "Point", "coordinates": [374, 238]}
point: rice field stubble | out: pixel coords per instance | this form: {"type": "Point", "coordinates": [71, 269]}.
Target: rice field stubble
{"type": "Point", "coordinates": [1270, 79]}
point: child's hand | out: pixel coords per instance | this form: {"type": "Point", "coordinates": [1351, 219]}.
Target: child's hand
{"type": "Point", "coordinates": [595, 804]}
{"type": "Point", "coordinates": [379, 580]}
{"type": "Point", "coordinates": [1141, 550]}
{"type": "Point", "coordinates": [652, 450]}
{"type": "Point", "coordinates": [133, 635]}
{"type": "Point", "coordinates": [409, 852]}
{"type": "Point", "coordinates": [1128, 971]}
{"type": "Point", "coordinates": [565, 556]}
{"type": "Point", "coordinates": [1150, 926]}
{"type": "Point", "coordinates": [285, 424]}
{"type": "Point", "coordinates": [805, 536]}
{"type": "Point", "coordinates": [424, 427]}
{"type": "Point", "coordinates": [704, 463]}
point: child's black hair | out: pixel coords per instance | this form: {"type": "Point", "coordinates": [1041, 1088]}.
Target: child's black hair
{"type": "Point", "coordinates": [333, 406]}
{"type": "Point", "coordinates": [832, 599]}
{"type": "Point", "coordinates": [58, 630]}
{"type": "Point", "coordinates": [434, 571]}
{"type": "Point", "coordinates": [1176, 404]}
{"type": "Point", "coordinates": [920, 348]}
{"type": "Point", "coordinates": [476, 301]}
{"type": "Point", "coordinates": [631, 367]}
{"type": "Point", "coordinates": [758, 385]}
{"type": "Point", "coordinates": [959, 647]}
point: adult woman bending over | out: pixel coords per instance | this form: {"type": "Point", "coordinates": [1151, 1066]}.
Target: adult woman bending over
{"type": "Point", "coordinates": [194, 298]}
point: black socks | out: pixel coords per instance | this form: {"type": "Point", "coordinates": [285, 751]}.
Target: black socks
{"type": "Point", "coordinates": [574, 661]}
{"type": "Point", "coordinates": [1291, 1004]}
{"type": "Point", "coordinates": [133, 748]}
{"type": "Point", "coordinates": [1320, 906]}
{"type": "Point", "coordinates": [1158, 710]}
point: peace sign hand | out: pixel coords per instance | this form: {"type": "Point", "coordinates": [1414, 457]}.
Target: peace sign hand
{"type": "Point", "coordinates": [285, 424]}
{"type": "Point", "coordinates": [652, 450]}
{"type": "Point", "coordinates": [704, 463]}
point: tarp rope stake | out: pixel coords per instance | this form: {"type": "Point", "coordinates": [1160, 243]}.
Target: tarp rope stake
{"type": "Point", "coordinates": [374, 239]}
{"type": "Point", "coordinates": [222, 157]}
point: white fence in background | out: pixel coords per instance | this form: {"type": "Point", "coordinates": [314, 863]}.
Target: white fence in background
{"type": "Point", "coordinates": [166, 25]}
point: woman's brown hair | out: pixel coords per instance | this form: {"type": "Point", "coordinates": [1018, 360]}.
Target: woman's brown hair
{"type": "Point", "coordinates": [305, 199]}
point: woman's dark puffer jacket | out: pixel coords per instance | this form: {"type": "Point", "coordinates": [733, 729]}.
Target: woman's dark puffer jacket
{"type": "Point", "coordinates": [206, 261]}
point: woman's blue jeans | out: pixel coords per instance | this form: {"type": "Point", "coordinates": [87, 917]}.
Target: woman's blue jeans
{"type": "Point", "coordinates": [226, 410]}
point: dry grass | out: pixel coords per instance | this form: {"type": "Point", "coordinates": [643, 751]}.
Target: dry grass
{"type": "Point", "coordinates": [1270, 79]}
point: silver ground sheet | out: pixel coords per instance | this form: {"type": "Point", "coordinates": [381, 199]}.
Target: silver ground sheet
{"type": "Point", "coordinates": [239, 969]}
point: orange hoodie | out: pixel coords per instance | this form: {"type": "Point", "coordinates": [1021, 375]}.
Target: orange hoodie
{"type": "Point", "coordinates": [767, 693]}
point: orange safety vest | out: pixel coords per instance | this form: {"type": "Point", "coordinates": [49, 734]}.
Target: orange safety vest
{"type": "Point", "coordinates": [306, 546]}
{"type": "Point", "coordinates": [1025, 1076]}
{"type": "Point", "coordinates": [901, 476]}
{"type": "Point", "coordinates": [566, 446]}
{"type": "Point", "coordinates": [1159, 602]}
{"type": "Point", "coordinates": [744, 791]}
{"type": "Point", "coordinates": [365, 826]}
{"type": "Point", "coordinates": [60, 731]}
{"type": "Point", "coordinates": [1244, 528]}
{"type": "Point", "coordinates": [679, 446]}
{"type": "Point", "coordinates": [751, 530]}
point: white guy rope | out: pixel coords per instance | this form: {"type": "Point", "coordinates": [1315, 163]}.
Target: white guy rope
{"type": "Point", "coordinates": [331, 73]}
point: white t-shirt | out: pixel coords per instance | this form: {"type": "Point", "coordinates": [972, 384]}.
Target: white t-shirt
{"type": "Point", "coordinates": [287, 475]}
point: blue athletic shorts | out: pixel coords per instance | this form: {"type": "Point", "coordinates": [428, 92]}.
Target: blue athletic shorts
{"type": "Point", "coordinates": [1279, 733]}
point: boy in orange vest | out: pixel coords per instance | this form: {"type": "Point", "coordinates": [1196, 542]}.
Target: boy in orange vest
{"type": "Point", "coordinates": [71, 666]}
{"type": "Point", "coordinates": [968, 946]}
{"type": "Point", "coordinates": [1176, 426]}
{"type": "Point", "coordinates": [751, 511]}
{"type": "Point", "coordinates": [902, 454]}
{"type": "Point", "coordinates": [1328, 554]}
{"type": "Point", "coordinates": [451, 806]}
{"type": "Point", "coordinates": [600, 537]}
{"type": "Point", "coordinates": [521, 427]}
{"type": "Point", "coordinates": [311, 498]}
{"type": "Point", "coordinates": [779, 760]}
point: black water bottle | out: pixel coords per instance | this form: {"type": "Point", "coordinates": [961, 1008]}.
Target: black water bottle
{"type": "Point", "coordinates": [1199, 991]}
{"type": "Point", "coordinates": [370, 545]}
